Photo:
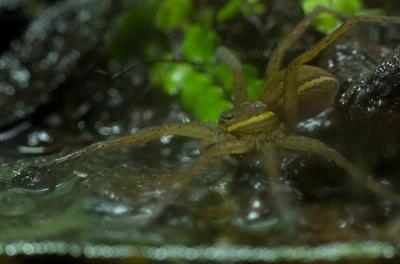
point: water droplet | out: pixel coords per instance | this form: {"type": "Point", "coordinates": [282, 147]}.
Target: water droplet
{"type": "Point", "coordinates": [108, 206]}
{"type": "Point", "coordinates": [38, 137]}
{"type": "Point", "coordinates": [33, 179]}
{"type": "Point", "coordinates": [6, 89]}
{"type": "Point", "coordinates": [84, 16]}
{"type": "Point", "coordinates": [80, 174]}
{"type": "Point", "coordinates": [111, 130]}
{"type": "Point", "coordinates": [166, 139]}
{"type": "Point", "coordinates": [256, 204]}
{"type": "Point", "coordinates": [21, 76]}
{"type": "Point", "coordinates": [252, 215]}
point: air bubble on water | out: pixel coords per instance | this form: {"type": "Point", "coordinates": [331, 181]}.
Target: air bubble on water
{"type": "Point", "coordinates": [166, 139]}
{"type": "Point", "coordinates": [21, 76]}
{"type": "Point", "coordinates": [84, 16]}
{"type": "Point", "coordinates": [37, 137]}
{"type": "Point", "coordinates": [252, 215]}
{"type": "Point", "coordinates": [258, 185]}
{"type": "Point", "coordinates": [115, 97]}
{"type": "Point", "coordinates": [80, 174]}
{"type": "Point", "coordinates": [111, 130]}
{"type": "Point", "coordinates": [256, 204]}
{"type": "Point", "coordinates": [7, 89]}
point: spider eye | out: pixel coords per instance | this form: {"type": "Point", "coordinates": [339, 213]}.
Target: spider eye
{"type": "Point", "coordinates": [227, 117]}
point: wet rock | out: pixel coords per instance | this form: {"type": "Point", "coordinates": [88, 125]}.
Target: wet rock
{"type": "Point", "coordinates": [364, 122]}
{"type": "Point", "coordinates": [378, 94]}
{"type": "Point", "coordinates": [54, 48]}
{"type": "Point", "coordinates": [13, 20]}
{"type": "Point", "coordinates": [373, 107]}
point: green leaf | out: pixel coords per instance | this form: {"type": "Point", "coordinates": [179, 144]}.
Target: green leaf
{"type": "Point", "coordinates": [348, 7]}
{"type": "Point", "coordinates": [194, 87]}
{"type": "Point", "coordinates": [171, 77]}
{"type": "Point", "coordinates": [199, 44]}
{"type": "Point", "coordinates": [211, 103]}
{"type": "Point", "coordinates": [223, 73]}
{"type": "Point", "coordinates": [229, 10]}
{"type": "Point", "coordinates": [309, 5]}
{"type": "Point", "coordinates": [173, 13]}
{"type": "Point", "coordinates": [253, 8]}
{"type": "Point", "coordinates": [134, 31]}
{"type": "Point", "coordinates": [201, 96]}
{"type": "Point", "coordinates": [327, 23]}
{"type": "Point", "coordinates": [254, 83]}
{"type": "Point", "coordinates": [247, 8]}
{"type": "Point", "coordinates": [198, 92]}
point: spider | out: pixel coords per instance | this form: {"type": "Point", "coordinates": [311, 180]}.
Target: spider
{"type": "Point", "coordinates": [290, 94]}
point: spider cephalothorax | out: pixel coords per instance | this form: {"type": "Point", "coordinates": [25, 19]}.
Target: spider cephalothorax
{"type": "Point", "coordinates": [249, 117]}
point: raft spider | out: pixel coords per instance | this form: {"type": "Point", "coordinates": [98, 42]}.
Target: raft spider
{"type": "Point", "coordinates": [290, 94]}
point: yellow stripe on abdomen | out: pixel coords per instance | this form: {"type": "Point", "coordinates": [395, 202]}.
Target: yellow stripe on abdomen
{"type": "Point", "coordinates": [312, 84]}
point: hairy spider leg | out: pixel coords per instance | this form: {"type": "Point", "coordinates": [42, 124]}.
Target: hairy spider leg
{"type": "Point", "coordinates": [275, 62]}
{"type": "Point", "coordinates": [240, 91]}
{"type": "Point", "coordinates": [208, 133]}
{"type": "Point", "coordinates": [310, 145]}
{"type": "Point", "coordinates": [271, 167]}
{"type": "Point", "coordinates": [234, 146]}
{"type": "Point", "coordinates": [290, 92]}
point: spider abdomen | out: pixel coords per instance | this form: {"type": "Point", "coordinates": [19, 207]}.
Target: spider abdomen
{"type": "Point", "coordinates": [316, 90]}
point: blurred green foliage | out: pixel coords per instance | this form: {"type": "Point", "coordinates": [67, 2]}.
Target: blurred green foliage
{"type": "Point", "coordinates": [172, 13]}
{"type": "Point", "coordinates": [199, 43]}
{"type": "Point", "coordinates": [326, 23]}
{"type": "Point", "coordinates": [204, 86]}
{"type": "Point", "coordinates": [136, 28]}
{"type": "Point", "coordinates": [245, 7]}
{"type": "Point", "coordinates": [183, 33]}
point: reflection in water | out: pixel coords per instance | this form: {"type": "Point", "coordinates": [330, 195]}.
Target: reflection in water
{"type": "Point", "coordinates": [14, 204]}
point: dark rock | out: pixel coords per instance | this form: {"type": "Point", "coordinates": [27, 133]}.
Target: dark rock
{"type": "Point", "coordinates": [55, 47]}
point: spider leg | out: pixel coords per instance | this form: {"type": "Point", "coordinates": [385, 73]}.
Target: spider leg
{"type": "Point", "coordinates": [290, 105]}
{"type": "Point", "coordinates": [310, 145]}
{"type": "Point", "coordinates": [209, 133]}
{"type": "Point", "coordinates": [240, 91]}
{"type": "Point", "coordinates": [275, 62]}
{"type": "Point", "coordinates": [331, 38]}
{"type": "Point", "coordinates": [290, 100]}
{"type": "Point", "coordinates": [236, 146]}
{"type": "Point", "coordinates": [271, 167]}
